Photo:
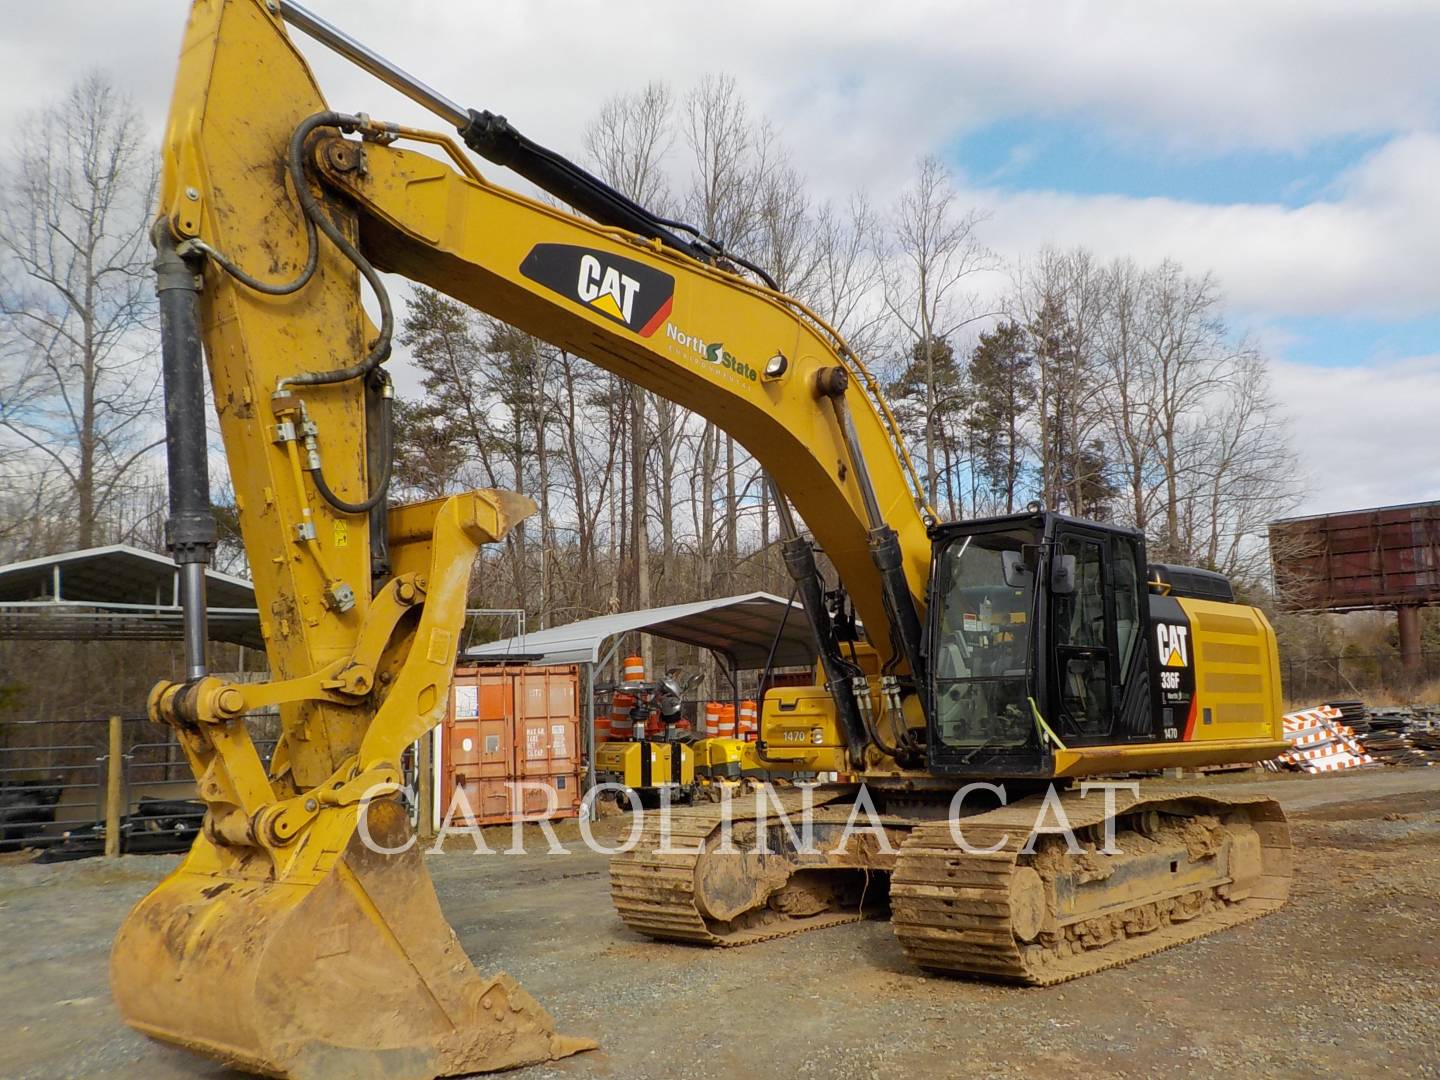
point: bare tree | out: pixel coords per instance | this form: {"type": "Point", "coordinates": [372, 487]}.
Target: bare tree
{"type": "Point", "coordinates": [79, 381]}
{"type": "Point", "coordinates": [846, 291]}
{"type": "Point", "coordinates": [591, 449]}
{"type": "Point", "coordinates": [1131, 420]}
{"type": "Point", "coordinates": [935, 250]}
{"type": "Point", "coordinates": [787, 237]}
{"type": "Point", "coordinates": [732, 159]}
{"type": "Point", "coordinates": [1245, 475]}
{"type": "Point", "coordinates": [628, 141]}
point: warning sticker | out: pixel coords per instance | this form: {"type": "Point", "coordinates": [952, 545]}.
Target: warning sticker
{"type": "Point", "coordinates": [467, 702]}
{"type": "Point", "coordinates": [972, 624]}
{"type": "Point", "coordinates": [557, 740]}
{"type": "Point", "coordinates": [535, 742]}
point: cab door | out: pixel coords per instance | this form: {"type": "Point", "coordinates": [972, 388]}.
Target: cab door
{"type": "Point", "coordinates": [1082, 624]}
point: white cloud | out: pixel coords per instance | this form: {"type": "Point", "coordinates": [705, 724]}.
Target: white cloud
{"type": "Point", "coordinates": [860, 89]}
{"type": "Point", "coordinates": [856, 84]}
{"type": "Point", "coordinates": [1365, 436]}
{"type": "Point", "coordinates": [1372, 250]}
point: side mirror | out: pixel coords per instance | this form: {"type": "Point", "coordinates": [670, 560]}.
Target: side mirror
{"type": "Point", "coordinates": [1017, 574]}
{"type": "Point", "coordinates": [1062, 575]}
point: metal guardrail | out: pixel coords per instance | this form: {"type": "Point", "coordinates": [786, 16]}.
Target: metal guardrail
{"type": "Point", "coordinates": [52, 778]}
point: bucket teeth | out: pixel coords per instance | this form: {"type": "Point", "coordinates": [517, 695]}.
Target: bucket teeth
{"type": "Point", "coordinates": [350, 971]}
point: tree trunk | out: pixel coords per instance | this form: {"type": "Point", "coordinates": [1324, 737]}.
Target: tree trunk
{"type": "Point", "coordinates": [732, 511]}
{"type": "Point", "coordinates": [639, 497]}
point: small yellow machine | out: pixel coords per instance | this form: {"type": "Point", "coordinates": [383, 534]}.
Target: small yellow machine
{"type": "Point", "coordinates": [728, 759]}
{"type": "Point", "coordinates": [648, 766]}
{"type": "Point", "coordinates": [657, 765]}
{"type": "Point", "coordinates": [301, 936]}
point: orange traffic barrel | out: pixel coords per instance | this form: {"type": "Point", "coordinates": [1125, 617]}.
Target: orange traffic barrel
{"type": "Point", "coordinates": [621, 726]}
{"type": "Point", "coordinates": [749, 725]}
{"type": "Point", "coordinates": [712, 719]}
{"type": "Point", "coordinates": [727, 721]}
{"type": "Point", "coordinates": [634, 669]}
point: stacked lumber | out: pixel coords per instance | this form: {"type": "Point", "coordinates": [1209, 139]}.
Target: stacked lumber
{"type": "Point", "coordinates": [1402, 736]}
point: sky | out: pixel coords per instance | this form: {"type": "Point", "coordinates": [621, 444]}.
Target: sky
{"type": "Point", "coordinates": [1290, 147]}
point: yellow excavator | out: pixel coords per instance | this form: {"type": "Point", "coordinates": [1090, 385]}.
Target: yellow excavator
{"type": "Point", "coordinates": [1001, 659]}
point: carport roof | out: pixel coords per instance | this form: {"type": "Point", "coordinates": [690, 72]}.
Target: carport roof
{"type": "Point", "coordinates": [740, 628]}
{"type": "Point", "coordinates": [114, 592]}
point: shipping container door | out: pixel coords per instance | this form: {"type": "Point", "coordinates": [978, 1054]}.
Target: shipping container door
{"type": "Point", "coordinates": [563, 698]}
{"type": "Point", "coordinates": [546, 703]}
{"type": "Point", "coordinates": [478, 746]}
{"type": "Point", "coordinates": [497, 746]}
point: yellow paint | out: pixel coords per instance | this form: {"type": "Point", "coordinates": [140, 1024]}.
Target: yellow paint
{"type": "Point", "coordinates": [1101, 760]}
{"type": "Point", "coordinates": [455, 232]}
{"type": "Point", "coordinates": [622, 762]}
{"type": "Point", "coordinates": [607, 304]}
{"type": "Point", "coordinates": [1237, 672]}
{"type": "Point", "coordinates": [225, 955]}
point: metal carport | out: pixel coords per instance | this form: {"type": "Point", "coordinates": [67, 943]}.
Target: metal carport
{"type": "Point", "coordinates": [117, 592]}
{"type": "Point", "coordinates": [741, 630]}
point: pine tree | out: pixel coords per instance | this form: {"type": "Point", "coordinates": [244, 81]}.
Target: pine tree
{"type": "Point", "coordinates": [942, 426]}
{"type": "Point", "coordinates": [1088, 479]}
{"type": "Point", "coordinates": [1002, 381]}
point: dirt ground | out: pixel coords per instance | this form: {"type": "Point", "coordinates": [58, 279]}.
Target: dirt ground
{"type": "Point", "coordinates": [1343, 982]}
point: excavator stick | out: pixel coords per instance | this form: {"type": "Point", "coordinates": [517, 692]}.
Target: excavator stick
{"type": "Point", "coordinates": [302, 936]}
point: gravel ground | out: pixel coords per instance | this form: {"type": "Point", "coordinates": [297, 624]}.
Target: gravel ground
{"type": "Point", "coordinates": [1343, 982]}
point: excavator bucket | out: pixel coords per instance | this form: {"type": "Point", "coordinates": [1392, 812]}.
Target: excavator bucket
{"type": "Point", "coordinates": [349, 972]}
{"type": "Point", "coordinates": [301, 936]}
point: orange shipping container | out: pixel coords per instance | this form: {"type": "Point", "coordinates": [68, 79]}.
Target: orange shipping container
{"type": "Point", "coordinates": [507, 726]}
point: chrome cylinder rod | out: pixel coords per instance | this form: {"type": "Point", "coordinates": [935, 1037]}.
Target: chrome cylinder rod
{"type": "Point", "coordinates": [335, 39]}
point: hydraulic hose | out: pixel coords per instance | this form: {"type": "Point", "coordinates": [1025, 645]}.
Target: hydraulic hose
{"type": "Point", "coordinates": [496, 139]}
{"type": "Point", "coordinates": [284, 288]}
{"type": "Point", "coordinates": [316, 219]}
{"type": "Point", "coordinates": [386, 458]}
{"type": "Point", "coordinates": [380, 348]}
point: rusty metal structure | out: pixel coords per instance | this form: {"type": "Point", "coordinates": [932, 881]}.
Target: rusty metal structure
{"type": "Point", "coordinates": [1359, 560]}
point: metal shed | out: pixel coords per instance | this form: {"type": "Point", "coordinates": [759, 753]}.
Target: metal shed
{"type": "Point", "coordinates": [739, 629]}
{"type": "Point", "coordinates": [117, 592]}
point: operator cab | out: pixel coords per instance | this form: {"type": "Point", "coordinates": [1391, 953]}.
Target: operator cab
{"type": "Point", "coordinates": [1034, 620]}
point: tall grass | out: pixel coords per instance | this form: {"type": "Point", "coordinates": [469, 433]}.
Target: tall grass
{"type": "Point", "coordinates": [1427, 693]}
